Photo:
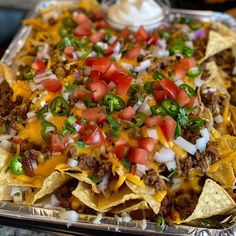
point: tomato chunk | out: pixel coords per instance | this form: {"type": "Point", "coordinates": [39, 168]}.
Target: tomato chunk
{"type": "Point", "coordinates": [160, 95]}
{"type": "Point", "coordinates": [182, 98]}
{"type": "Point", "coordinates": [134, 52]}
{"type": "Point", "coordinates": [101, 64]}
{"type": "Point", "coordinates": [94, 114]}
{"type": "Point", "coordinates": [99, 89]}
{"type": "Point", "coordinates": [96, 37]}
{"type": "Point", "coordinates": [58, 142]}
{"type": "Point", "coordinates": [69, 51]}
{"type": "Point", "coordinates": [153, 121]}
{"type": "Point", "coordinates": [81, 18]}
{"type": "Point", "coordinates": [93, 135]}
{"type": "Point", "coordinates": [147, 144]}
{"type": "Point", "coordinates": [124, 33]}
{"type": "Point", "coordinates": [193, 102]}
{"type": "Point", "coordinates": [168, 125]}
{"type": "Point", "coordinates": [141, 34]}
{"type": "Point", "coordinates": [183, 66]}
{"type": "Point", "coordinates": [138, 155]}
{"type": "Point", "coordinates": [169, 86]}
{"type": "Point", "coordinates": [82, 30]}
{"type": "Point", "coordinates": [96, 75]}
{"type": "Point", "coordinates": [127, 114]}
{"type": "Point", "coordinates": [52, 85]}
{"type": "Point", "coordinates": [121, 151]}
{"type": "Point", "coordinates": [122, 81]}
{"type": "Point", "coordinates": [39, 66]}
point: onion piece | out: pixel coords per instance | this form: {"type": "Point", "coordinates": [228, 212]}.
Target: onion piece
{"type": "Point", "coordinates": [80, 105]}
{"type": "Point", "coordinates": [126, 66]}
{"type": "Point", "coordinates": [69, 215]}
{"type": "Point", "coordinates": [198, 82]}
{"type": "Point", "coordinates": [188, 44]}
{"type": "Point", "coordinates": [34, 164]}
{"type": "Point", "coordinates": [140, 169]}
{"type": "Point", "coordinates": [186, 145]}
{"type": "Point", "coordinates": [199, 34]}
{"type": "Point", "coordinates": [5, 144]}
{"type": "Point", "coordinates": [15, 190]}
{"type": "Point", "coordinates": [72, 162]}
{"type": "Point", "coordinates": [47, 116]}
{"type": "Point", "coordinates": [145, 108]}
{"type": "Point", "coordinates": [54, 201]}
{"type": "Point", "coordinates": [164, 155]}
{"type": "Point", "coordinates": [104, 183]}
{"type": "Point", "coordinates": [171, 165]}
{"type": "Point", "coordinates": [143, 65]}
{"type": "Point", "coordinates": [5, 137]}
{"type": "Point", "coordinates": [31, 114]}
{"type": "Point", "coordinates": [201, 144]}
{"type": "Point", "coordinates": [205, 133]}
{"type": "Point", "coordinates": [152, 133]}
{"type": "Point", "coordinates": [77, 127]}
{"type": "Point", "coordinates": [143, 224]}
{"type": "Point", "coordinates": [218, 119]}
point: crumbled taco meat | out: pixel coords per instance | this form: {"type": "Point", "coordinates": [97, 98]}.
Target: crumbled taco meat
{"type": "Point", "coordinates": [191, 135]}
{"type": "Point", "coordinates": [154, 179]}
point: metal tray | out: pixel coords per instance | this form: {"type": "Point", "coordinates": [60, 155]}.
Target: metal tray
{"type": "Point", "coordinates": [48, 218]}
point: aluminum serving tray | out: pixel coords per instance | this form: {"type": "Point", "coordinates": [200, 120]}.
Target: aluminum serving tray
{"type": "Point", "coordinates": [48, 218]}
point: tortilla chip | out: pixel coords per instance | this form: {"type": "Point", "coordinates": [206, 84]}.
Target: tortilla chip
{"type": "Point", "coordinates": [6, 74]}
{"type": "Point", "coordinates": [148, 194]}
{"type": "Point", "coordinates": [214, 200]}
{"type": "Point", "coordinates": [129, 206]}
{"type": "Point", "coordinates": [223, 29]}
{"type": "Point", "coordinates": [217, 43]}
{"type": "Point", "coordinates": [3, 158]}
{"type": "Point", "coordinates": [50, 184]}
{"type": "Point", "coordinates": [5, 194]}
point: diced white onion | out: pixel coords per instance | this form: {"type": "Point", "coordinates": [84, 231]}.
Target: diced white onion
{"type": "Point", "coordinates": [201, 144]}
{"type": "Point", "coordinates": [69, 215]}
{"type": "Point", "coordinates": [77, 127]}
{"type": "Point", "coordinates": [140, 169]}
{"type": "Point", "coordinates": [34, 164]}
{"type": "Point", "coordinates": [104, 183]}
{"type": "Point", "coordinates": [179, 82]}
{"type": "Point", "coordinates": [18, 197]}
{"type": "Point", "coordinates": [80, 105]}
{"type": "Point", "coordinates": [54, 201]}
{"type": "Point", "coordinates": [12, 131]}
{"type": "Point", "coordinates": [186, 145]}
{"type": "Point", "coordinates": [74, 56]}
{"type": "Point", "coordinates": [111, 85]}
{"type": "Point", "coordinates": [164, 155]}
{"type": "Point", "coordinates": [112, 39]}
{"type": "Point", "coordinates": [31, 114]}
{"type": "Point", "coordinates": [143, 65]}
{"type": "Point", "coordinates": [5, 144]}
{"type": "Point", "coordinates": [126, 217]}
{"type": "Point", "coordinates": [188, 44]}
{"type": "Point", "coordinates": [98, 219]}
{"type": "Point", "coordinates": [117, 47]}
{"type": "Point", "coordinates": [137, 105]}
{"type": "Point", "coordinates": [198, 82]}
{"type": "Point", "coordinates": [49, 129]}
{"type": "Point", "coordinates": [161, 43]}
{"type": "Point", "coordinates": [171, 165]}
{"type": "Point", "coordinates": [47, 116]}
{"type": "Point", "coordinates": [117, 56]}
{"type": "Point", "coordinates": [5, 137]}
{"type": "Point", "coordinates": [143, 224]}
{"type": "Point", "coordinates": [72, 162]}
{"type": "Point", "coordinates": [43, 51]}
{"type": "Point", "coordinates": [15, 190]}
{"type": "Point", "coordinates": [126, 66]}
{"type": "Point", "coordinates": [219, 119]}
{"type": "Point", "coordinates": [205, 133]}
{"type": "Point", "coordinates": [43, 76]}
{"type": "Point", "coordinates": [145, 108]}
{"type": "Point", "coordinates": [152, 133]}
{"type": "Point", "coordinates": [103, 45]}
{"type": "Point", "coordinates": [209, 90]}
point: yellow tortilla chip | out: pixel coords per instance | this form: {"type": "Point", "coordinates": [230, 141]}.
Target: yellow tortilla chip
{"type": "Point", "coordinates": [3, 158]}
{"type": "Point", "coordinates": [5, 194]}
{"type": "Point", "coordinates": [130, 206]}
{"type": "Point", "coordinates": [148, 194]}
{"type": "Point", "coordinates": [50, 184]}
{"type": "Point", "coordinates": [217, 43]}
{"type": "Point", "coordinates": [7, 74]}
{"type": "Point", "coordinates": [214, 200]}
{"type": "Point", "coordinates": [223, 29]}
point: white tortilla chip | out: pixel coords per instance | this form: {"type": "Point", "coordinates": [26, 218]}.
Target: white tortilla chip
{"type": "Point", "coordinates": [214, 200]}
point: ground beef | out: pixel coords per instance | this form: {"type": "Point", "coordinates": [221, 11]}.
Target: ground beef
{"type": "Point", "coordinates": [205, 72]}
{"type": "Point", "coordinates": [64, 193]}
{"type": "Point", "coordinates": [191, 135]}
{"type": "Point", "coordinates": [103, 169]}
{"type": "Point", "coordinates": [185, 202]}
{"type": "Point", "coordinates": [185, 166]}
{"type": "Point", "coordinates": [165, 207]}
{"type": "Point", "coordinates": [11, 112]}
{"type": "Point", "coordinates": [88, 163]}
{"type": "Point", "coordinates": [153, 179]}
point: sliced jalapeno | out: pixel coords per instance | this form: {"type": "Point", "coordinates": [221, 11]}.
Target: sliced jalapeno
{"type": "Point", "coordinates": [113, 102]}
{"type": "Point", "coordinates": [178, 47]}
{"type": "Point", "coordinates": [195, 25]}
{"type": "Point", "coordinates": [196, 123]}
{"type": "Point", "coordinates": [27, 73]}
{"type": "Point", "coordinates": [158, 75]}
{"type": "Point", "coordinates": [149, 87]}
{"type": "Point", "coordinates": [165, 35]}
{"type": "Point", "coordinates": [170, 107]}
{"type": "Point", "coordinates": [188, 52]}
{"type": "Point", "coordinates": [46, 129]}
{"type": "Point", "coordinates": [63, 43]}
{"type": "Point", "coordinates": [195, 71]}
{"type": "Point", "coordinates": [69, 22]}
{"type": "Point", "coordinates": [64, 32]}
{"type": "Point", "coordinates": [160, 223]}
{"type": "Point", "coordinates": [188, 89]}
{"type": "Point", "coordinates": [59, 106]}
{"type": "Point", "coordinates": [140, 118]}
{"type": "Point", "coordinates": [40, 112]}
{"type": "Point", "coordinates": [158, 110]}
{"type": "Point", "coordinates": [16, 166]}
{"type": "Point", "coordinates": [85, 54]}
{"type": "Point", "coordinates": [178, 130]}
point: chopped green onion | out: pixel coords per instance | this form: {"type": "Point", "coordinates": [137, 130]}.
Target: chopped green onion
{"type": "Point", "coordinates": [158, 75]}
{"type": "Point", "coordinates": [71, 120]}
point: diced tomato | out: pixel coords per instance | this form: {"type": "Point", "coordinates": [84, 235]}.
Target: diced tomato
{"type": "Point", "coordinates": [153, 121]}
{"type": "Point", "coordinates": [96, 75]}
{"type": "Point", "coordinates": [152, 39]}
{"type": "Point", "coordinates": [101, 64]}
{"type": "Point", "coordinates": [52, 85]}
{"type": "Point", "coordinates": [160, 95]}
{"type": "Point", "coordinates": [81, 18]}
{"type": "Point", "coordinates": [93, 135]}
{"type": "Point", "coordinates": [138, 155]}
{"type": "Point", "coordinates": [83, 93]}
{"type": "Point", "coordinates": [168, 125]}
{"type": "Point", "coordinates": [96, 37]}
{"type": "Point", "coordinates": [193, 102]}
{"type": "Point", "coordinates": [108, 74]}
{"type": "Point", "coordinates": [39, 66]}
{"type": "Point", "coordinates": [99, 89]}
{"type": "Point", "coordinates": [69, 51]}
{"type": "Point", "coordinates": [182, 98]}
{"type": "Point", "coordinates": [97, 16]}
{"type": "Point", "coordinates": [133, 169]}
{"type": "Point", "coordinates": [101, 24]}
{"type": "Point", "coordinates": [147, 144]}
{"type": "Point", "coordinates": [124, 33]}
{"type": "Point", "coordinates": [127, 114]}
{"type": "Point", "coordinates": [94, 114]}
{"type": "Point", "coordinates": [122, 81]}
{"type": "Point", "coordinates": [82, 30]}
{"type": "Point", "coordinates": [58, 142]}
{"type": "Point", "coordinates": [183, 66]}
{"type": "Point", "coordinates": [121, 151]}
{"type": "Point", "coordinates": [134, 52]}
{"type": "Point", "coordinates": [169, 86]}
{"type": "Point", "coordinates": [90, 60]}
{"type": "Point", "coordinates": [141, 34]}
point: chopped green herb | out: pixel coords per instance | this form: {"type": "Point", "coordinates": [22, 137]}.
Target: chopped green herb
{"type": "Point", "coordinates": [84, 121]}
{"type": "Point", "coordinates": [126, 163]}
{"type": "Point", "coordinates": [98, 49]}
{"type": "Point", "coordinates": [71, 120]}
{"type": "Point", "coordinates": [114, 124]}
{"type": "Point", "coordinates": [94, 178]}
{"type": "Point", "coordinates": [149, 87]}
{"type": "Point", "coordinates": [70, 87]}
{"type": "Point", "coordinates": [158, 75]}
{"type": "Point", "coordinates": [80, 144]}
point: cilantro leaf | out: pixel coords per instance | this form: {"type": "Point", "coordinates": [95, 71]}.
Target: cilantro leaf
{"type": "Point", "coordinates": [182, 116]}
{"type": "Point", "coordinates": [70, 87]}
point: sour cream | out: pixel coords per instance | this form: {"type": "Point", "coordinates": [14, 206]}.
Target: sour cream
{"type": "Point", "coordinates": [134, 13]}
